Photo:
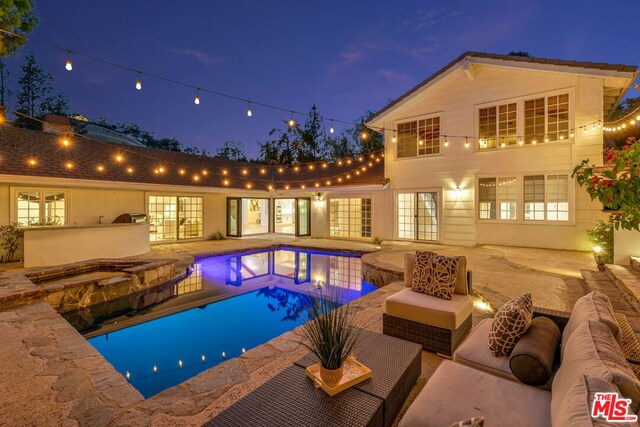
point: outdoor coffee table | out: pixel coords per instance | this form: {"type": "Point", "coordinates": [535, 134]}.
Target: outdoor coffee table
{"type": "Point", "coordinates": [290, 398]}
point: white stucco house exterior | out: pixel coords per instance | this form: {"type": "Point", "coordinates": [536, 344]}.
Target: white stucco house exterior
{"type": "Point", "coordinates": [481, 152]}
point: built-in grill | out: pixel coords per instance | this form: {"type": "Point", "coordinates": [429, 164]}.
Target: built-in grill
{"type": "Point", "coordinates": [130, 218]}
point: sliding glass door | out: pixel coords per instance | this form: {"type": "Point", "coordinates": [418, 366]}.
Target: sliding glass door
{"type": "Point", "coordinates": [417, 216]}
{"type": "Point", "coordinates": [175, 218]}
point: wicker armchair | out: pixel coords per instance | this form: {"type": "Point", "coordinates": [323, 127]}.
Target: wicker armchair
{"type": "Point", "coordinates": [438, 325]}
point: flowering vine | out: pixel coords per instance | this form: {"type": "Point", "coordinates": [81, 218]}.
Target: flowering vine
{"type": "Point", "coordinates": [617, 184]}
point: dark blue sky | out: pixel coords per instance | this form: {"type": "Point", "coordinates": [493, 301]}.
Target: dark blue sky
{"type": "Point", "coordinates": [346, 56]}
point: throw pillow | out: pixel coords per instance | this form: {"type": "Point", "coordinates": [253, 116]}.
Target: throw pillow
{"type": "Point", "coordinates": [470, 422]}
{"type": "Point", "coordinates": [435, 274]}
{"type": "Point", "coordinates": [509, 324]}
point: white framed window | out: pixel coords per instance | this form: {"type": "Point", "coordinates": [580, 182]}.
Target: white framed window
{"type": "Point", "coordinates": [38, 207]}
{"type": "Point", "coordinates": [175, 217]}
{"type": "Point", "coordinates": [418, 137]}
{"type": "Point", "coordinates": [546, 197]}
{"type": "Point", "coordinates": [498, 125]}
{"type": "Point", "coordinates": [497, 198]}
{"type": "Point", "coordinates": [546, 119]}
{"type": "Point", "coordinates": [350, 217]}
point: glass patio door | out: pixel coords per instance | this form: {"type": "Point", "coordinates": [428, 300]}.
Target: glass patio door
{"type": "Point", "coordinates": [417, 216]}
{"type": "Point", "coordinates": [303, 216]}
{"type": "Point", "coordinates": [233, 216]}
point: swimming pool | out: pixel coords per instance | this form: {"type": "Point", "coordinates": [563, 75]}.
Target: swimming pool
{"type": "Point", "coordinates": [228, 305]}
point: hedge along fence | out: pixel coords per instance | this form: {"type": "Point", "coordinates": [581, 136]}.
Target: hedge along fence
{"type": "Point", "coordinates": [11, 243]}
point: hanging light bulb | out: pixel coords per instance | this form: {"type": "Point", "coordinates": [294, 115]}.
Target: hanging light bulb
{"type": "Point", "coordinates": [446, 141]}
{"type": "Point", "coordinates": [466, 142]}
{"type": "Point", "coordinates": [395, 138]}
{"type": "Point", "coordinates": [331, 129]}
{"type": "Point", "coordinates": [139, 82]}
{"type": "Point", "coordinates": [291, 121]}
{"type": "Point", "coordinates": [364, 135]}
{"type": "Point", "coordinates": [197, 99]}
{"type": "Point", "coordinates": [68, 65]}
{"type": "Point", "coordinates": [249, 112]}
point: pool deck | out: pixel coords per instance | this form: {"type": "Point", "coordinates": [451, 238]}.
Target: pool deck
{"type": "Point", "coordinates": [57, 378]}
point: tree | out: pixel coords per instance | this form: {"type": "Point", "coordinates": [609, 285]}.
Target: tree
{"type": "Point", "coordinates": [309, 142]}
{"type": "Point", "coordinates": [233, 150]}
{"type": "Point", "coordinates": [619, 138]}
{"type": "Point", "coordinates": [616, 186]}
{"type": "Point", "coordinates": [341, 147]}
{"type": "Point", "coordinates": [18, 17]}
{"type": "Point", "coordinates": [277, 150]}
{"type": "Point", "coordinates": [519, 53]}
{"type": "Point", "coordinates": [35, 95]}
{"type": "Point", "coordinates": [3, 85]}
{"type": "Point", "coordinates": [367, 140]}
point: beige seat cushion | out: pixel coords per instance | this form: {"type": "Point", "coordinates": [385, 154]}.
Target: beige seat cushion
{"type": "Point", "coordinates": [461, 281]}
{"type": "Point", "coordinates": [428, 310]}
{"type": "Point", "coordinates": [593, 306]}
{"type": "Point", "coordinates": [592, 350]}
{"type": "Point", "coordinates": [455, 392]}
{"type": "Point", "coordinates": [475, 352]}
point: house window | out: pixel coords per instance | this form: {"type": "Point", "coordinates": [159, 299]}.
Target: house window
{"type": "Point", "coordinates": [546, 198]}
{"type": "Point", "coordinates": [557, 197]}
{"type": "Point", "coordinates": [41, 208]}
{"type": "Point", "coordinates": [173, 218]}
{"type": "Point", "coordinates": [350, 217]}
{"type": "Point", "coordinates": [497, 125]}
{"type": "Point", "coordinates": [497, 198]}
{"type": "Point", "coordinates": [419, 138]}
{"type": "Point", "coordinates": [417, 216]}
{"type": "Point", "coordinates": [546, 119]}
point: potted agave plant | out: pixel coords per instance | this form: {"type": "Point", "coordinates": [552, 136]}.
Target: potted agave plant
{"type": "Point", "coordinates": [330, 332]}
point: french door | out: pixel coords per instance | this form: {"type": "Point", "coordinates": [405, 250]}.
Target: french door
{"type": "Point", "coordinates": [417, 216]}
{"type": "Point", "coordinates": [250, 216]}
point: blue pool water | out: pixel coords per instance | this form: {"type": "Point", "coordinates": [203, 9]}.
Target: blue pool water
{"type": "Point", "coordinates": [258, 298]}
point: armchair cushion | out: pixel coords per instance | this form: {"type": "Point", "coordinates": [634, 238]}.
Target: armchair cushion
{"type": "Point", "coordinates": [434, 274]}
{"type": "Point", "coordinates": [429, 310]}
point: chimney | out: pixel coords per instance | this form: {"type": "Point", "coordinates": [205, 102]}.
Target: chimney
{"type": "Point", "coordinates": [57, 125]}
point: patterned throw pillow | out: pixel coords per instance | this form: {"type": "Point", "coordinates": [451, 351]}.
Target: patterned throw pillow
{"type": "Point", "coordinates": [435, 274]}
{"type": "Point", "coordinates": [510, 324]}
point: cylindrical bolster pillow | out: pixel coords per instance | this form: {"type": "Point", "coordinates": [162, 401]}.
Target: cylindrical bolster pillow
{"type": "Point", "coordinates": [532, 358]}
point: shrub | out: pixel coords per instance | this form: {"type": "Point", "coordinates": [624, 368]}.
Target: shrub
{"type": "Point", "coordinates": [10, 238]}
{"type": "Point", "coordinates": [601, 237]}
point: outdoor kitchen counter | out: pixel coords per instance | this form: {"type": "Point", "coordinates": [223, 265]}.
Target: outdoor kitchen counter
{"type": "Point", "coordinates": [46, 246]}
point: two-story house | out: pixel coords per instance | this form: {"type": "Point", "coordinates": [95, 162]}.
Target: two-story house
{"type": "Point", "coordinates": [482, 151]}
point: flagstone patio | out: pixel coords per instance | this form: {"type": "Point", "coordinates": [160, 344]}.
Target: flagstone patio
{"type": "Point", "coordinates": [57, 378]}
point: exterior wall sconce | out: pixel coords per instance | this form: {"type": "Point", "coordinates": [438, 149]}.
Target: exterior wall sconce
{"type": "Point", "coordinates": [458, 189]}
{"type": "Point", "coordinates": [317, 197]}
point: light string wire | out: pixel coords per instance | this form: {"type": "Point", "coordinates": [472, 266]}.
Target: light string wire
{"type": "Point", "coordinates": [361, 163]}
{"type": "Point", "coordinates": [197, 88]}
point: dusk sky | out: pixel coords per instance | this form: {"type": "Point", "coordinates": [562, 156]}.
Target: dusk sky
{"type": "Point", "coordinates": [346, 56]}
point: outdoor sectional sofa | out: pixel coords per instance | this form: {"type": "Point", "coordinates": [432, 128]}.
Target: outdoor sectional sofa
{"type": "Point", "coordinates": [594, 357]}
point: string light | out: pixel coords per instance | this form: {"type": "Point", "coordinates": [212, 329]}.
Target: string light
{"type": "Point", "coordinates": [100, 168]}
{"type": "Point", "coordinates": [249, 112]}
{"type": "Point", "coordinates": [263, 171]}
{"type": "Point", "coordinates": [139, 82]}
{"type": "Point", "coordinates": [205, 172]}
{"type": "Point", "coordinates": [395, 138]}
{"type": "Point", "coordinates": [32, 162]}
{"type": "Point", "coordinates": [446, 141]}
{"type": "Point", "coordinates": [65, 141]}
{"type": "Point", "coordinates": [291, 121]}
{"type": "Point", "coordinates": [69, 165]}
{"type": "Point", "coordinates": [130, 169]}
{"type": "Point", "coordinates": [197, 99]}
{"type": "Point", "coordinates": [119, 158]}
{"type": "Point", "coordinates": [331, 129]}
{"type": "Point", "coordinates": [68, 65]}
{"type": "Point", "coordinates": [182, 171]}
{"type": "Point", "coordinates": [196, 178]}
{"type": "Point", "coordinates": [466, 142]}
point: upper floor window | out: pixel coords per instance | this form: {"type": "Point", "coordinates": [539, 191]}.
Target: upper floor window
{"type": "Point", "coordinates": [546, 119]}
{"type": "Point", "coordinates": [40, 207]}
{"type": "Point", "coordinates": [546, 197]}
{"type": "Point", "coordinates": [419, 137]}
{"type": "Point", "coordinates": [498, 125]}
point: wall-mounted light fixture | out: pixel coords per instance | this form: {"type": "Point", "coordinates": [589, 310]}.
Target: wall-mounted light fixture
{"type": "Point", "coordinates": [458, 189]}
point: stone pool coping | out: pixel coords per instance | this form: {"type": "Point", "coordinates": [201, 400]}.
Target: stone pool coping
{"type": "Point", "coordinates": [50, 283]}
